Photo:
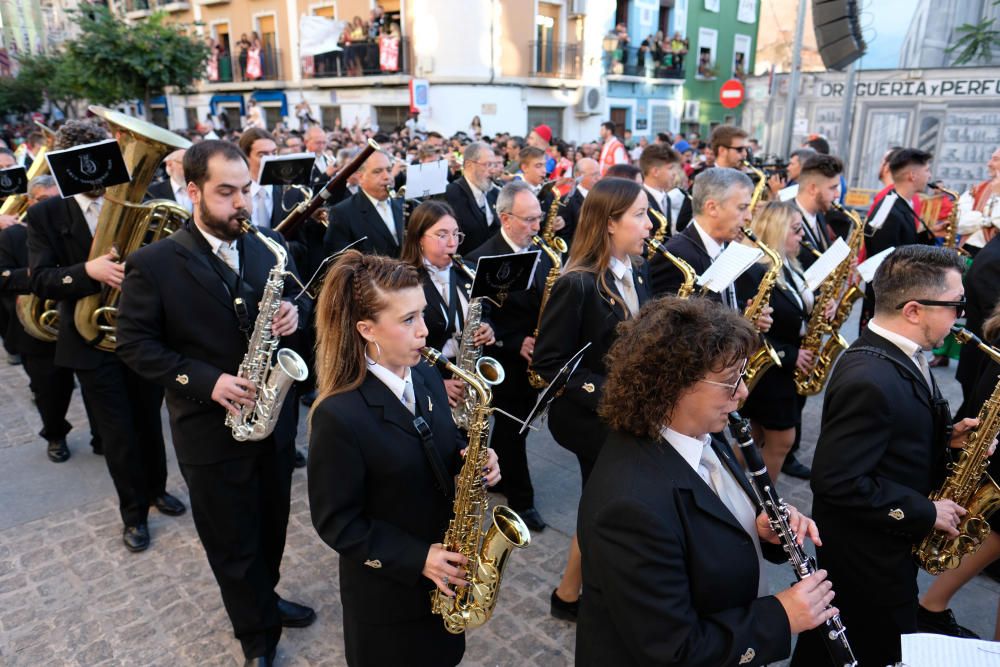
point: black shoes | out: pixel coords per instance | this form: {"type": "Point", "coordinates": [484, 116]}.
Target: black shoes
{"type": "Point", "coordinates": [169, 505]}
{"type": "Point", "coordinates": [794, 468]}
{"type": "Point", "coordinates": [942, 623]}
{"type": "Point", "coordinates": [564, 611]}
{"type": "Point", "coordinates": [300, 458]}
{"type": "Point", "coordinates": [13, 359]}
{"type": "Point", "coordinates": [532, 519]}
{"type": "Point", "coordinates": [260, 661]}
{"type": "Point", "coordinates": [136, 538]}
{"type": "Point", "coordinates": [294, 615]}
{"type": "Point", "coordinates": [58, 451]}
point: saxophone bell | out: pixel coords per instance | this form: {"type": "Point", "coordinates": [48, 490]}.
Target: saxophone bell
{"type": "Point", "coordinates": [490, 370]}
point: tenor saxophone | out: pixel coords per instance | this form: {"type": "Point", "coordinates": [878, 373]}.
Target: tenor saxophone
{"type": "Point", "coordinates": [558, 243]}
{"type": "Point", "coordinates": [951, 228]}
{"type": "Point", "coordinates": [470, 356]}
{"type": "Point", "coordinates": [487, 547]}
{"type": "Point", "coordinates": [765, 356]}
{"type": "Point", "coordinates": [270, 370]}
{"type": "Point", "coordinates": [823, 336]}
{"type": "Point", "coordinates": [968, 483]}
{"type": "Point", "coordinates": [758, 188]}
{"type": "Point", "coordinates": [534, 379]}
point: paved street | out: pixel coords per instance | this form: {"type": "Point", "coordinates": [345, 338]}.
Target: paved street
{"type": "Point", "coordinates": [70, 594]}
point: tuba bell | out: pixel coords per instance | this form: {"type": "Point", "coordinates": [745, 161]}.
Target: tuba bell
{"type": "Point", "coordinates": [124, 224]}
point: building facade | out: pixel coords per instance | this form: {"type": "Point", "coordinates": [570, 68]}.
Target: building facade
{"type": "Point", "coordinates": [954, 113]}
{"type": "Point", "coordinates": [935, 27]}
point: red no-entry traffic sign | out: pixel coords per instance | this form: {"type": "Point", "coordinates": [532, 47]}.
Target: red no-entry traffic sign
{"type": "Point", "coordinates": [731, 94]}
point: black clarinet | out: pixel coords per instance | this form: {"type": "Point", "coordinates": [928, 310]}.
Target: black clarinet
{"type": "Point", "coordinates": [835, 634]}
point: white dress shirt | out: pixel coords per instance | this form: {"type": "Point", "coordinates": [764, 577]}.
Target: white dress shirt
{"type": "Point", "coordinates": [714, 249]}
{"type": "Point", "coordinates": [907, 346]}
{"type": "Point", "coordinates": [622, 272]}
{"type": "Point", "coordinates": [91, 209]}
{"type": "Point", "coordinates": [481, 201]}
{"type": "Point", "coordinates": [181, 195]}
{"type": "Point", "coordinates": [262, 199]}
{"type": "Point", "coordinates": [384, 210]}
{"type": "Point", "coordinates": [228, 251]}
{"type": "Point", "coordinates": [397, 385]}
{"type": "Point", "coordinates": [811, 222]}
{"type": "Point", "coordinates": [442, 282]}
{"type": "Point", "coordinates": [583, 191]}
{"type": "Point", "coordinates": [659, 196]}
{"type": "Point", "coordinates": [515, 247]}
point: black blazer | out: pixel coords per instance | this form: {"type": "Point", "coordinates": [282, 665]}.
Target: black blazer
{"type": "Point", "coordinates": [580, 312]}
{"type": "Point", "coordinates": [355, 218]}
{"type": "Point", "coordinates": [470, 217]}
{"type": "Point", "coordinates": [177, 328]}
{"type": "Point", "coordinates": [162, 190]}
{"type": "Point", "coordinates": [669, 576]}
{"type": "Point", "coordinates": [283, 198]}
{"type": "Point", "coordinates": [569, 209]}
{"type": "Point", "coordinates": [665, 278]}
{"type": "Point", "coordinates": [436, 313]}
{"type": "Point", "coordinates": [655, 206]}
{"type": "Point", "coordinates": [373, 496]}
{"type": "Point", "coordinates": [982, 291]}
{"type": "Point", "coordinates": [787, 314]}
{"type": "Point", "coordinates": [686, 213]}
{"type": "Point", "coordinates": [517, 318]}
{"type": "Point", "coordinates": [819, 241]}
{"type": "Point", "coordinates": [876, 461]}
{"type": "Point", "coordinates": [58, 247]}
{"type": "Point", "coordinates": [14, 281]}
{"type": "Point", "coordinates": [898, 229]}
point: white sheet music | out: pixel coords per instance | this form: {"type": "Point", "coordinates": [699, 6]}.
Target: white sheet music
{"type": "Point", "coordinates": [868, 267]}
{"type": "Point", "coordinates": [729, 266]}
{"type": "Point", "coordinates": [784, 194]}
{"type": "Point", "coordinates": [927, 650]}
{"type": "Point", "coordinates": [429, 178]}
{"type": "Point", "coordinates": [883, 212]}
{"type": "Point", "coordinates": [826, 263]}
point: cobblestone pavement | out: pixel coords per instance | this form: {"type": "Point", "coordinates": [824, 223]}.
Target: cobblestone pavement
{"type": "Point", "coordinates": [70, 594]}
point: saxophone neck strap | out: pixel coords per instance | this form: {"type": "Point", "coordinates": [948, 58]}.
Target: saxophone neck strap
{"type": "Point", "coordinates": [433, 459]}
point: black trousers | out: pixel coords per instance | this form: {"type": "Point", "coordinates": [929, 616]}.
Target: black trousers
{"type": "Point", "coordinates": [53, 388]}
{"type": "Point", "coordinates": [516, 396]}
{"type": "Point", "coordinates": [126, 410]}
{"type": "Point", "coordinates": [873, 631]}
{"type": "Point", "coordinates": [240, 510]}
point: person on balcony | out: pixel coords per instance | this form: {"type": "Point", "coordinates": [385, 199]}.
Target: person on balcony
{"type": "Point", "coordinates": [243, 54]}
{"type": "Point", "coordinates": [388, 50]}
{"type": "Point", "coordinates": [254, 69]}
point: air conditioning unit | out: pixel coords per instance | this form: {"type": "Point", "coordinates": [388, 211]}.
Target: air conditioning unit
{"type": "Point", "coordinates": [591, 101]}
{"type": "Point", "coordinates": [578, 7]}
{"type": "Point", "coordinates": [692, 110]}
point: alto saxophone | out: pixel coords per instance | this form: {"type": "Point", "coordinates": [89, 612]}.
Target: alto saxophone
{"type": "Point", "coordinates": [548, 227]}
{"type": "Point", "coordinates": [470, 356]}
{"type": "Point", "coordinates": [487, 547]}
{"type": "Point", "coordinates": [968, 483]}
{"type": "Point", "coordinates": [534, 379]}
{"type": "Point", "coordinates": [951, 228]}
{"type": "Point", "coordinates": [823, 336]}
{"type": "Point", "coordinates": [271, 380]}
{"type": "Point", "coordinates": [765, 356]}
{"type": "Point", "coordinates": [758, 188]}
{"type": "Point", "coordinates": [687, 286]}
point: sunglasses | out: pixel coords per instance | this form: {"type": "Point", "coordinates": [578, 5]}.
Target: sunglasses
{"type": "Point", "coordinates": [959, 305]}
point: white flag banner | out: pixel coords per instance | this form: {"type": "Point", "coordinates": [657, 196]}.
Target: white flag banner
{"type": "Point", "coordinates": [318, 34]}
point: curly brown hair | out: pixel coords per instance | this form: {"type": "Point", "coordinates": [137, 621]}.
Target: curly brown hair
{"type": "Point", "coordinates": [663, 352]}
{"type": "Point", "coordinates": [79, 132]}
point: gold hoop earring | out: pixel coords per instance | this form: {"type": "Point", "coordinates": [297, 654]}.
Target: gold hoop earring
{"type": "Point", "coordinates": [378, 347]}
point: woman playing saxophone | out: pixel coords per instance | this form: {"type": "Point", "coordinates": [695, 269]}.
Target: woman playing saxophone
{"type": "Point", "coordinates": [383, 453]}
{"type": "Point", "coordinates": [432, 239]}
{"type": "Point", "coordinates": [774, 407]}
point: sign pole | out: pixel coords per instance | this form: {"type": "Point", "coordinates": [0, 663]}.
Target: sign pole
{"type": "Point", "coordinates": [793, 85]}
{"type": "Point", "coordinates": [847, 115]}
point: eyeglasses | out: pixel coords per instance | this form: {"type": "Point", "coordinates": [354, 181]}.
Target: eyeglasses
{"type": "Point", "coordinates": [735, 386]}
{"type": "Point", "coordinates": [536, 220]}
{"type": "Point", "coordinates": [444, 236]}
{"type": "Point", "coordinates": [959, 305]}
{"type": "Point", "coordinates": [742, 149]}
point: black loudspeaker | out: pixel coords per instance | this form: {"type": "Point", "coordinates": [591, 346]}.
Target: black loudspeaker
{"type": "Point", "coordinates": [838, 32]}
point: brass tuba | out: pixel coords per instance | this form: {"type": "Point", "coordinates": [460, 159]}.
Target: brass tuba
{"type": "Point", "coordinates": [485, 539]}
{"type": "Point", "coordinates": [968, 483]}
{"type": "Point", "coordinates": [124, 224]}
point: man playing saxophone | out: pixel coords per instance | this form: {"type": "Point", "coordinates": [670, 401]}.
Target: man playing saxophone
{"type": "Point", "coordinates": [189, 303]}
{"type": "Point", "coordinates": [881, 451]}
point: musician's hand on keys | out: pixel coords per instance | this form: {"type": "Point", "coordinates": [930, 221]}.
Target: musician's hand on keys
{"type": "Point", "coordinates": [558, 223]}
{"type": "Point", "coordinates": [286, 320]}
{"type": "Point", "coordinates": [491, 473]}
{"type": "Point", "coordinates": [804, 361]}
{"type": "Point", "coordinates": [949, 513]}
{"type": "Point", "coordinates": [7, 220]}
{"type": "Point", "coordinates": [484, 335]}
{"type": "Point", "coordinates": [444, 568]}
{"type": "Point", "coordinates": [960, 432]}
{"type": "Point", "coordinates": [800, 524]}
{"type": "Point", "coordinates": [765, 320]}
{"type": "Point", "coordinates": [830, 310]}
{"type": "Point", "coordinates": [455, 390]}
{"type": "Point", "coordinates": [775, 184]}
{"type": "Point", "coordinates": [806, 602]}
{"type": "Point", "coordinates": [106, 269]}
{"type": "Point", "coordinates": [528, 347]}
{"type": "Point", "coordinates": [231, 391]}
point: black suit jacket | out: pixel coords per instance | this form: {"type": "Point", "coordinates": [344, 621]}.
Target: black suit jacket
{"type": "Point", "coordinates": [15, 280]}
{"type": "Point", "coordinates": [787, 314]}
{"type": "Point", "coordinates": [177, 328]}
{"type": "Point", "coordinates": [355, 218]}
{"type": "Point", "coordinates": [821, 241]}
{"type": "Point", "coordinates": [655, 206]}
{"type": "Point", "coordinates": [436, 313]}
{"type": "Point", "coordinates": [373, 496]}
{"type": "Point", "coordinates": [686, 213]}
{"type": "Point", "coordinates": [569, 209]}
{"type": "Point", "coordinates": [471, 219]}
{"type": "Point", "coordinates": [283, 200]}
{"type": "Point", "coordinates": [162, 190]}
{"type": "Point", "coordinates": [982, 291]}
{"type": "Point", "coordinates": [898, 229]}
{"type": "Point", "coordinates": [579, 312]}
{"type": "Point", "coordinates": [669, 576]}
{"type": "Point", "coordinates": [58, 247]}
{"type": "Point", "coordinates": [876, 461]}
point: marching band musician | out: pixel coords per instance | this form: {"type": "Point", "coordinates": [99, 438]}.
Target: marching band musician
{"type": "Point", "coordinates": [431, 240]}
{"type": "Point", "coordinates": [181, 325]}
{"type": "Point", "coordinates": [125, 407]}
{"type": "Point", "coordinates": [51, 385]}
{"type": "Point", "coordinates": [369, 212]}
{"type": "Point", "coordinates": [774, 407]}
{"type": "Point", "coordinates": [819, 182]}
{"type": "Point", "coordinates": [600, 286]}
{"type": "Point", "coordinates": [380, 493]}
{"type": "Point", "coordinates": [672, 541]}
{"type": "Point", "coordinates": [658, 179]}
{"type": "Point", "coordinates": [514, 325]}
{"type": "Point", "coordinates": [882, 450]}
{"type": "Point", "coordinates": [472, 197]}
{"type": "Point", "coordinates": [586, 173]}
